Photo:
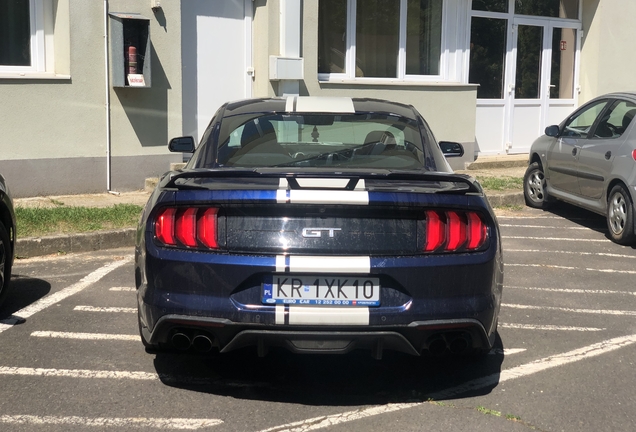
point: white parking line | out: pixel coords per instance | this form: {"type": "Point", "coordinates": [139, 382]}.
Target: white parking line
{"type": "Point", "coordinates": [85, 336]}
{"type": "Point", "coordinates": [139, 422]}
{"type": "Point", "coordinates": [561, 252]}
{"type": "Point", "coordinates": [105, 309]}
{"type": "Point", "coordinates": [543, 227]}
{"type": "Point", "coordinates": [555, 239]}
{"type": "Point", "coordinates": [128, 289]}
{"type": "Point", "coordinates": [549, 327]}
{"type": "Point", "coordinates": [573, 268]}
{"type": "Point", "coordinates": [487, 381]}
{"type": "Point", "coordinates": [62, 294]}
{"type": "Point", "coordinates": [572, 290]}
{"type": "Point", "coordinates": [572, 310]}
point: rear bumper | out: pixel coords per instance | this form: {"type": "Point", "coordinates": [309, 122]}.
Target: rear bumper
{"type": "Point", "coordinates": [435, 336]}
{"type": "Point", "coordinates": [424, 299]}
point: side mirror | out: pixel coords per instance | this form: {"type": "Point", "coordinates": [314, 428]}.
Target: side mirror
{"type": "Point", "coordinates": [181, 145]}
{"type": "Point", "coordinates": [451, 149]}
{"type": "Point", "coordinates": [552, 131]}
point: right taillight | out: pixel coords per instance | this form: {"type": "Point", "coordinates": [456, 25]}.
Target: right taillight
{"type": "Point", "coordinates": [192, 227]}
{"type": "Point", "coordinates": [452, 231]}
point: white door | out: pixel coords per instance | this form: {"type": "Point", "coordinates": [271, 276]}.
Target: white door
{"type": "Point", "coordinates": [217, 58]}
{"type": "Point", "coordinates": [527, 71]}
{"type": "Point", "coordinates": [541, 79]}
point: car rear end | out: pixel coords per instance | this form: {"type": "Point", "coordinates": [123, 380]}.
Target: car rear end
{"type": "Point", "coordinates": [376, 264]}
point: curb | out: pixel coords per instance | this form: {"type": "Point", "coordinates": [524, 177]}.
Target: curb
{"type": "Point", "coordinates": [100, 240]}
{"type": "Point", "coordinates": [507, 199]}
{"type": "Point", "coordinates": [73, 243]}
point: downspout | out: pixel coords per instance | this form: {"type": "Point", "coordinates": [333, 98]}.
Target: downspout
{"type": "Point", "coordinates": [290, 40]}
{"type": "Point", "coordinates": [107, 88]}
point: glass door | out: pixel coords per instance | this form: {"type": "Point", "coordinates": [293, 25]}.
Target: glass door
{"type": "Point", "coordinates": [541, 80]}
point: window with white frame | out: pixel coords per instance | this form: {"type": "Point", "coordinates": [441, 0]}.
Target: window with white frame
{"type": "Point", "coordinates": [21, 36]}
{"type": "Point", "coordinates": [381, 39]}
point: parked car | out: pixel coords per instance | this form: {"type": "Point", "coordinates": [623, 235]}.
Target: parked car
{"type": "Point", "coordinates": [589, 160]}
{"type": "Point", "coordinates": [7, 237]}
{"type": "Point", "coordinates": [320, 225]}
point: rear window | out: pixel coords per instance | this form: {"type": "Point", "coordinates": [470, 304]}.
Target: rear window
{"type": "Point", "coordinates": [380, 141]}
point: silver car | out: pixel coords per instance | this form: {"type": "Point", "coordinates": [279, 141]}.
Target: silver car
{"type": "Point", "coordinates": [589, 160]}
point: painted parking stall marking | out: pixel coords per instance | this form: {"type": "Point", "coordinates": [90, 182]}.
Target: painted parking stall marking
{"type": "Point", "coordinates": [524, 370]}
{"type": "Point", "coordinates": [137, 422]}
{"type": "Point", "coordinates": [85, 336]}
{"type": "Point", "coordinates": [63, 294]}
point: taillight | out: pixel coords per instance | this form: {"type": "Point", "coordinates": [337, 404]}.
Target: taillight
{"type": "Point", "coordinates": [634, 154]}
{"type": "Point", "coordinates": [164, 227]}
{"type": "Point", "coordinates": [451, 231]}
{"type": "Point", "coordinates": [191, 227]}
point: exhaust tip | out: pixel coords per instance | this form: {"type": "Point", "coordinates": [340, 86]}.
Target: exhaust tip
{"type": "Point", "coordinates": [181, 341]}
{"type": "Point", "coordinates": [458, 345]}
{"type": "Point", "coordinates": [202, 343]}
{"type": "Point", "coordinates": [437, 347]}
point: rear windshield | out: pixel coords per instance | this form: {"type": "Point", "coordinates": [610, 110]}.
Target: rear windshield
{"type": "Point", "coordinates": [379, 141]}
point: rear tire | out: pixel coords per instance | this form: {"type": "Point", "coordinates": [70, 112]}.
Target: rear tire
{"type": "Point", "coordinates": [534, 187]}
{"type": "Point", "coordinates": [6, 258]}
{"type": "Point", "coordinates": [620, 216]}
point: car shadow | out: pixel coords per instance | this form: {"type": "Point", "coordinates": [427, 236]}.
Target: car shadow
{"type": "Point", "coordinates": [579, 216]}
{"type": "Point", "coordinates": [332, 380]}
{"type": "Point", "coordinates": [22, 292]}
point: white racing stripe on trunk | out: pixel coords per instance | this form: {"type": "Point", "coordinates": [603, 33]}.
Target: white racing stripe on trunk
{"type": "Point", "coordinates": [328, 264]}
{"type": "Point", "coordinates": [105, 309]}
{"type": "Point", "coordinates": [487, 381]}
{"type": "Point", "coordinates": [310, 196]}
{"type": "Point", "coordinates": [289, 104]}
{"type": "Point", "coordinates": [280, 263]}
{"type": "Point", "coordinates": [280, 314]}
{"type": "Point", "coordinates": [331, 104]}
{"type": "Point", "coordinates": [85, 336]}
{"type": "Point", "coordinates": [307, 315]}
{"type": "Point", "coordinates": [137, 422]}
{"type": "Point", "coordinates": [62, 294]}
{"type": "Point", "coordinates": [550, 327]}
{"type": "Point", "coordinates": [582, 311]}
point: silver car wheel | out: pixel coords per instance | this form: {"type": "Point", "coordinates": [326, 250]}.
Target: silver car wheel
{"type": "Point", "coordinates": [617, 213]}
{"type": "Point", "coordinates": [535, 186]}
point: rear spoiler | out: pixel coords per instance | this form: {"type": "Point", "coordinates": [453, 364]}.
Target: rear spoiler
{"type": "Point", "coordinates": [170, 179]}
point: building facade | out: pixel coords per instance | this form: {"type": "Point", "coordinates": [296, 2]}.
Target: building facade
{"type": "Point", "coordinates": [92, 91]}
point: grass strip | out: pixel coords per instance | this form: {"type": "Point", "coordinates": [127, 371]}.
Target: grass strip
{"type": "Point", "coordinates": [40, 221]}
{"type": "Point", "coordinates": [501, 183]}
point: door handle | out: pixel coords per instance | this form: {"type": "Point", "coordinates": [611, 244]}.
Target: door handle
{"type": "Point", "coordinates": [574, 151]}
{"type": "Point", "coordinates": [608, 155]}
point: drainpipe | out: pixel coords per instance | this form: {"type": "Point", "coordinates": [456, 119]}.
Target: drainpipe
{"type": "Point", "coordinates": [107, 90]}
{"type": "Point", "coordinates": [290, 37]}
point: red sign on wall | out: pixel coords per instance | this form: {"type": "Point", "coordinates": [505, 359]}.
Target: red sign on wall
{"type": "Point", "coordinates": [564, 45]}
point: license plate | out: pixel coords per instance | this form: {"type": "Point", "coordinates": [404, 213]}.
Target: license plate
{"type": "Point", "coordinates": [321, 290]}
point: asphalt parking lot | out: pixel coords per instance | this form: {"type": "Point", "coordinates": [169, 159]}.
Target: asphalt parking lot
{"type": "Point", "coordinates": [70, 357]}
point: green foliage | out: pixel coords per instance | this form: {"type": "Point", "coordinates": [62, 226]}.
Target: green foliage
{"type": "Point", "coordinates": [501, 183]}
{"type": "Point", "coordinates": [33, 222]}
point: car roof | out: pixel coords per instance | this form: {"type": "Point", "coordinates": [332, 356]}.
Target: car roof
{"type": "Point", "coordinates": [318, 104]}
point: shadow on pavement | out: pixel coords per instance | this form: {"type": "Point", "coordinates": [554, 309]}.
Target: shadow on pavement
{"type": "Point", "coordinates": [330, 380]}
{"type": "Point", "coordinates": [22, 292]}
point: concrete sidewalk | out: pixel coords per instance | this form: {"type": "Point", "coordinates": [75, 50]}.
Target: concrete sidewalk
{"type": "Point", "coordinates": [491, 166]}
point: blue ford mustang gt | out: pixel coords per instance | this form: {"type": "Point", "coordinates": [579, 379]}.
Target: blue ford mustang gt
{"type": "Point", "coordinates": [320, 225]}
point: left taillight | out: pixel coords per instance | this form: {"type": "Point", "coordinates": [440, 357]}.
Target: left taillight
{"type": "Point", "coordinates": [192, 227]}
